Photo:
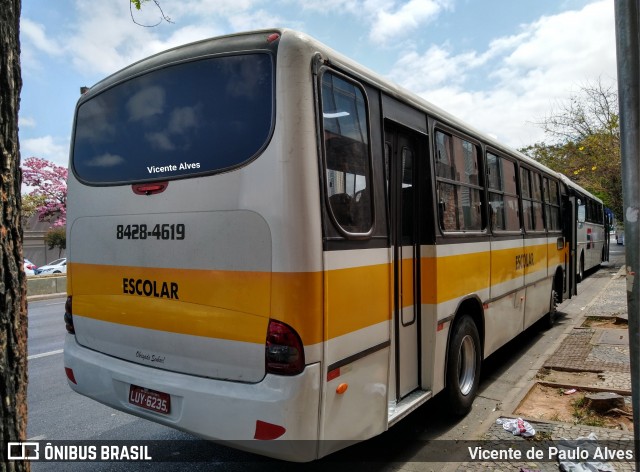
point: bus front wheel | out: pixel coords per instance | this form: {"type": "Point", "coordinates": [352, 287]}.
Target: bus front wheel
{"type": "Point", "coordinates": [464, 358]}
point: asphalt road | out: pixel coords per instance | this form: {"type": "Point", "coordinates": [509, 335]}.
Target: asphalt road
{"type": "Point", "coordinates": [58, 413]}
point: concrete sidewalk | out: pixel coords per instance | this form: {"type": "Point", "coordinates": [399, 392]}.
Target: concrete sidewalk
{"type": "Point", "coordinates": [604, 351]}
{"type": "Point", "coordinates": [601, 357]}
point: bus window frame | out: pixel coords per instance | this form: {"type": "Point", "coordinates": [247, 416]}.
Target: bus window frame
{"type": "Point", "coordinates": [323, 153]}
{"type": "Point", "coordinates": [531, 198]}
{"type": "Point", "coordinates": [517, 195]}
{"type": "Point", "coordinates": [581, 213]}
{"type": "Point", "coordinates": [548, 203]}
{"type": "Point", "coordinates": [452, 132]}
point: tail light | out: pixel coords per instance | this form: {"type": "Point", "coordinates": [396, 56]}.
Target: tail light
{"type": "Point", "coordinates": [70, 375]}
{"type": "Point", "coordinates": [149, 188]}
{"type": "Point", "coordinates": [284, 351]}
{"type": "Point", "coordinates": [68, 316]}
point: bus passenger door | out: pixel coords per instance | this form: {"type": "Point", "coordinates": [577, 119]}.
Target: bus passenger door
{"type": "Point", "coordinates": [569, 230]}
{"type": "Point", "coordinates": [401, 154]}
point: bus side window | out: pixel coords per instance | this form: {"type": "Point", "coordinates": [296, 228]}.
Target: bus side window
{"type": "Point", "coordinates": [582, 212]}
{"type": "Point", "coordinates": [458, 184]}
{"type": "Point", "coordinates": [347, 157]}
{"type": "Point", "coordinates": [530, 182]}
{"type": "Point", "coordinates": [552, 204]}
{"type": "Point", "coordinates": [503, 194]}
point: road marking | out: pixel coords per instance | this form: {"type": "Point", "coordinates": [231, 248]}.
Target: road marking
{"type": "Point", "coordinates": [45, 354]}
{"type": "Point", "coordinates": [37, 438]}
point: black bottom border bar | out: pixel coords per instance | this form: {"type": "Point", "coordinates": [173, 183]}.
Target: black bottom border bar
{"type": "Point", "coordinates": [376, 450]}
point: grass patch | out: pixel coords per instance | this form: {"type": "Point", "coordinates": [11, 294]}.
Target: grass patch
{"type": "Point", "coordinates": [582, 414]}
{"type": "Point", "coordinates": [542, 436]}
{"type": "Point", "coordinates": [555, 417]}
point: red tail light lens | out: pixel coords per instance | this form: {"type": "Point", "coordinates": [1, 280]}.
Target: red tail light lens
{"type": "Point", "coordinates": [150, 188]}
{"type": "Point", "coordinates": [70, 375]}
{"type": "Point", "coordinates": [267, 431]}
{"type": "Point", "coordinates": [284, 351]}
{"type": "Point", "coordinates": [68, 316]}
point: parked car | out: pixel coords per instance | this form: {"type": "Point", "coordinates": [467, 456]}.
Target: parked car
{"type": "Point", "coordinates": [58, 266]}
{"type": "Point", "coordinates": [29, 267]}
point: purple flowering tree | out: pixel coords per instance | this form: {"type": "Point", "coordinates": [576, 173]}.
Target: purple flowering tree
{"type": "Point", "coordinates": [49, 184]}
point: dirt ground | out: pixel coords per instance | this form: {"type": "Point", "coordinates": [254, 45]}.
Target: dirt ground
{"type": "Point", "coordinates": [604, 323]}
{"type": "Point", "coordinates": [553, 403]}
{"type": "Point", "coordinates": [556, 403]}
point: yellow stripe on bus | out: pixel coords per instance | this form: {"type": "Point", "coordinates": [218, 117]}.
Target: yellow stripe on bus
{"type": "Point", "coordinates": [357, 297]}
{"type": "Point", "coordinates": [236, 305]}
{"type": "Point", "coordinates": [182, 318]}
{"type": "Point", "coordinates": [133, 296]}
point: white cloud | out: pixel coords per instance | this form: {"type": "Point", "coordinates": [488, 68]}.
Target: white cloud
{"type": "Point", "coordinates": [105, 160]}
{"type": "Point", "coordinates": [26, 122]}
{"type": "Point", "coordinates": [334, 6]}
{"type": "Point", "coordinates": [34, 44]}
{"type": "Point", "coordinates": [209, 8]}
{"type": "Point", "coordinates": [148, 102]}
{"type": "Point", "coordinates": [516, 81]}
{"type": "Point", "coordinates": [259, 19]}
{"type": "Point", "coordinates": [35, 34]}
{"type": "Point", "coordinates": [46, 147]}
{"type": "Point", "coordinates": [185, 35]}
{"type": "Point", "coordinates": [108, 40]}
{"type": "Point", "coordinates": [404, 20]}
{"type": "Point", "coordinates": [387, 19]}
{"type": "Point", "coordinates": [435, 68]}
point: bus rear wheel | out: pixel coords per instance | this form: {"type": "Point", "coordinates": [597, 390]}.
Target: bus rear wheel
{"type": "Point", "coordinates": [550, 318]}
{"type": "Point", "coordinates": [463, 366]}
{"type": "Point", "coordinates": [581, 269]}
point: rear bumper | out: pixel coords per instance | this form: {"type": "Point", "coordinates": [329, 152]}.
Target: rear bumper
{"type": "Point", "coordinates": [217, 410]}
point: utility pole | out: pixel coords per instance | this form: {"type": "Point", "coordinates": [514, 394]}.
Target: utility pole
{"type": "Point", "coordinates": [628, 58]}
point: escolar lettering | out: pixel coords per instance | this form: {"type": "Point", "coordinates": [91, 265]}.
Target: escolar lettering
{"type": "Point", "coordinates": [150, 288]}
{"type": "Point", "coordinates": [524, 260]}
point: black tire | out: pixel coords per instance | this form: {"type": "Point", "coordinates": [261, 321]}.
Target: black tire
{"type": "Point", "coordinates": [581, 269]}
{"type": "Point", "coordinates": [550, 318]}
{"type": "Point", "coordinates": [464, 359]}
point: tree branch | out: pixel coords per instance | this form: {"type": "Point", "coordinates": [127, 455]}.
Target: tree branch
{"type": "Point", "coordinates": [138, 5]}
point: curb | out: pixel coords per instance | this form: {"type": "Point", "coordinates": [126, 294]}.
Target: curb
{"type": "Point", "coordinates": [582, 388]}
{"type": "Point", "coordinates": [48, 296]}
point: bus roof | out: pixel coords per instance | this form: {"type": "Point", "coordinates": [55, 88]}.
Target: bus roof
{"type": "Point", "coordinates": [570, 183]}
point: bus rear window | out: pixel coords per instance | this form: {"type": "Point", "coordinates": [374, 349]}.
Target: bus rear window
{"type": "Point", "coordinates": [197, 117]}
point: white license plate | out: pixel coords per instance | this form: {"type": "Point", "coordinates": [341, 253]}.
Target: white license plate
{"type": "Point", "coordinates": [153, 400]}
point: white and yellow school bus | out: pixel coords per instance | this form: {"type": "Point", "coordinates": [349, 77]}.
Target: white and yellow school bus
{"type": "Point", "coordinates": [269, 242]}
{"type": "Point", "coordinates": [591, 231]}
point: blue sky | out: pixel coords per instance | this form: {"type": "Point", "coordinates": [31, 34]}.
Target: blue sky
{"type": "Point", "coordinates": [501, 65]}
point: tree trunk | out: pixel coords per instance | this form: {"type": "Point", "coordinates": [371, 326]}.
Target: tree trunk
{"type": "Point", "coordinates": [13, 282]}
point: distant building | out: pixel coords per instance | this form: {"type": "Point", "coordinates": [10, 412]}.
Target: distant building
{"type": "Point", "coordinates": [33, 245]}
